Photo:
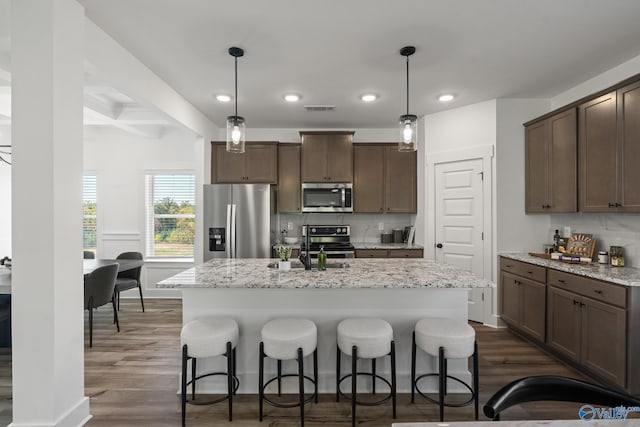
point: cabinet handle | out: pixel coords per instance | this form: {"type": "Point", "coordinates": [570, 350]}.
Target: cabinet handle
{"type": "Point", "coordinates": [582, 304]}
{"type": "Point", "coordinates": [561, 280]}
{"type": "Point", "coordinates": [509, 266]}
{"type": "Point", "coordinates": [618, 205]}
{"type": "Point", "coordinates": [612, 205]}
{"type": "Point", "coordinates": [598, 291]}
{"type": "Point", "coordinates": [575, 302]}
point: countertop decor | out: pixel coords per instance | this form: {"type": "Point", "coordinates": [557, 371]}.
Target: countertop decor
{"type": "Point", "coordinates": [627, 276]}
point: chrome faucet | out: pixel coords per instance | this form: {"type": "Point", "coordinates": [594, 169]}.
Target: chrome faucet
{"type": "Point", "coordinates": [305, 258]}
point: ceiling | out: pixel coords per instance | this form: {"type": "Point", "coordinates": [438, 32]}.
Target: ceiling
{"type": "Point", "coordinates": [333, 51]}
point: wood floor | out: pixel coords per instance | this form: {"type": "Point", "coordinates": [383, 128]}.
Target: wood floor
{"type": "Point", "coordinates": [132, 376]}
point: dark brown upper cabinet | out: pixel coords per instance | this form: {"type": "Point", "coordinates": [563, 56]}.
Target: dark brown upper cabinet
{"type": "Point", "coordinates": [551, 176]}
{"type": "Point", "coordinates": [327, 156]}
{"type": "Point", "coordinates": [289, 184]}
{"type": "Point", "coordinates": [384, 179]}
{"type": "Point", "coordinates": [257, 165]}
{"type": "Point", "coordinates": [609, 149]}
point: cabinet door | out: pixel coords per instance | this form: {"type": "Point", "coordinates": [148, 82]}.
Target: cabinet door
{"type": "Point", "coordinates": [340, 158]}
{"type": "Point", "coordinates": [400, 181]}
{"type": "Point", "coordinates": [368, 178]}
{"type": "Point", "coordinates": [227, 167]}
{"type": "Point", "coordinates": [537, 167]}
{"type": "Point", "coordinates": [629, 147]}
{"type": "Point", "coordinates": [314, 158]}
{"type": "Point", "coordinates": [563, 162]}
{"type": "Point", "coordinates": [511, 301]}
{"type": "Point", "coordinates": [533, 296]}
{"type": "Point", "coordinates": [604, 337]}
{"type": "Point", "coordinates": [261, 163]}
{"type": "Point", "coordinates": [598, 154]}
{"type": "Point", "coordinates": [404, 253]}
{"type": "Point", "coordinates": [563, 322]}
{"type": "Point", "coordinates": [289, 178]}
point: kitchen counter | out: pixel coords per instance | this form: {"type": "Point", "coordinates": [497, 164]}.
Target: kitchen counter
{"type": "Point", "coordinates": [401, 292]}
{"type": "Point", "coordinates": [376, 245]}
{"type": "Point", "coordinates": [362, 273]}
{"type": "Point", "coordinates": [627, 276]}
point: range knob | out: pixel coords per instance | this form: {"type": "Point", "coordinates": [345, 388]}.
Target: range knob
{"type": "Point", "coordinates": [313, 230]}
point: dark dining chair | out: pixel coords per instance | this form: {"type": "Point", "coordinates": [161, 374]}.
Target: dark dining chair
{"type": "Point", "coordinates": [129, 279]}
{"type": "Point", "coordinates": [98, 291]}
{"type": "Point", "coordinates": [89, 255]}
{"type": "Point", "coordinates": [554, 388]}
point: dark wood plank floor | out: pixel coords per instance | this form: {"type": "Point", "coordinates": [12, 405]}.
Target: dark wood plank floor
{"type": "Point", "coordinates": [132, 378]}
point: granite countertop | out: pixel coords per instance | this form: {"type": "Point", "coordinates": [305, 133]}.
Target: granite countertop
{"type": "Point", "coordinates": [627, 276]}
{"type": "Point", "coordinates": [362, 273]}
{"type": "Point", "coordinates": [377, 245]}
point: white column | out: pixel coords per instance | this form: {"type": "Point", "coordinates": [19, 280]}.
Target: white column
{"type": "Point", "coordinates": [47, 289]}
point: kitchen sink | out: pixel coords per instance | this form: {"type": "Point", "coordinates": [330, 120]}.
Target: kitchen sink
{"type": "Point", "coordinates": [314, 266]}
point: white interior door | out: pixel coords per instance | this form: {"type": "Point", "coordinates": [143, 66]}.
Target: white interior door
{"type": "Point", "coordinates": [459, 222]}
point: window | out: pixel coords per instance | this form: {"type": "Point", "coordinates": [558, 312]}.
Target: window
{"type": "Point", "coordinates": [89, 224]}
{"type": "Point", "coordinates": [170, 215]}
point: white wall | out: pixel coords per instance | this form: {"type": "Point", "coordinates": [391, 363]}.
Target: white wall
{"type": "Point", "coordinates": [120, 162]}
{"type": "Point", "coordinates": [5, 197]}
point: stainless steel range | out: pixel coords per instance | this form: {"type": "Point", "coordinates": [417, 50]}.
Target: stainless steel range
{"type": "Point", "coordinates": [336, 240]}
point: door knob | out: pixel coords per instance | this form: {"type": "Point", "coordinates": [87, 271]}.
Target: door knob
{"type": "Point", "coordinates": [439, 245]}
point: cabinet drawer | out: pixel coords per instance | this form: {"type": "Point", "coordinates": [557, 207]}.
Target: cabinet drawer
{"type": "Point", "coordinates": [371, 253]}
{"type": "Point", "coordinates": [405, 253]}
{"type": "Point", "coordinates": [524, 269]}
{"type": "Point", "coordinates": [601, 291]}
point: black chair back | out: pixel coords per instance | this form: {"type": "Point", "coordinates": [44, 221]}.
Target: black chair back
{"type": "Point", "coordinates": [133, 273]}
{"type": "Point", "coordinates": [99, 285]}
{"type": "Point", "coordinates": [554, 388]}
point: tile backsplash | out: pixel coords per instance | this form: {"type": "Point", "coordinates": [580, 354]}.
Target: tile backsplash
{"type": "Point", "coordinates": [608, 229]}
{"type": "Point", "coordinates": [364, 227]}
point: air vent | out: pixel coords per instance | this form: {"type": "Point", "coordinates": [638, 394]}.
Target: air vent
{"type": "Point", "coordinates": [320, 107]}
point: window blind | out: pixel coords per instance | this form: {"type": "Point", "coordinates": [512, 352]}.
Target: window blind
{"type": "Point", "coordinates": [89, 213]}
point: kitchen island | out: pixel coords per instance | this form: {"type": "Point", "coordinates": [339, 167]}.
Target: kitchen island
{"type": "Point", "coordinates": [400, 292]}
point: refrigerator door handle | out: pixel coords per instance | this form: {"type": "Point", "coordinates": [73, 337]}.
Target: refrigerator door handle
{"type": "Point", "coordinates": [233, 231]}
{"type": "Point", "coordinates": [228, 232]}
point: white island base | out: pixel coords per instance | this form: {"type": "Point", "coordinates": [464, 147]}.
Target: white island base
{"type": "Point", "coordinates": [253, 307]}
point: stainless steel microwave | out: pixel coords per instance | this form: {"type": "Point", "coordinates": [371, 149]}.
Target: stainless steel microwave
{"type": "Point", "coordinates": [332, 197]}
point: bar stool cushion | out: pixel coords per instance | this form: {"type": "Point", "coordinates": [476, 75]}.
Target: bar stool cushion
{"type": "Point", "coordinates": [283, 337]}
{"type": "Point", "coordinates": [208, 336]}
{"type": "Point", "coordinates": [372, 337]}
{"type": "Point", "coordinates": [455, 337]}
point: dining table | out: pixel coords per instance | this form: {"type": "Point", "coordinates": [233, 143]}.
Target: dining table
{"type": "Point", "coordinates": [88, 266]}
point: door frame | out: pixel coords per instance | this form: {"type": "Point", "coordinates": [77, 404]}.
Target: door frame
{"type": "Point", "coordinates": [486, 154]}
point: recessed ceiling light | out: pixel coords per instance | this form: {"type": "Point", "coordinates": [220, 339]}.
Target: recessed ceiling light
{"type": "Point", "coordinates": [445, 97]}
{"type": "Point", "coordinates": [292, 97]}
{"type": "Point", "coordinates": [369, 97]}
{"type": "Point", "coordinates": [223, 98]}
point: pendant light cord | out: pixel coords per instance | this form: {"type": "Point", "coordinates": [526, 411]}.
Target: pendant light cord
{"type": "Point", "coordinates": [407, 85]}
{"type": "Point", "coordinates": [236, 116]}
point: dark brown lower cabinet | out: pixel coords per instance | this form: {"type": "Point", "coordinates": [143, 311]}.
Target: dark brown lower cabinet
{"type": "Point", "coordinates": [523, 304]}
{"type": "Point", "coordinates": [389, 253]}
{"type": "Point", "coordinates": [590, 332]}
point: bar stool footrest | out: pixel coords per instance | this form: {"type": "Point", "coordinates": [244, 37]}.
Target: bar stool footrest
{"type": "Point", "coordinates": [450, 405]}
{"type": "Point", "coordinates": [369, 374]}
{"type": "Point", "coordinates": [287, 405]}
{"type": "Point", "coordinates": [236, 384]}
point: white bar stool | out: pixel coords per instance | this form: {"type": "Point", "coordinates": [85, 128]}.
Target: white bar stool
{"type": "Point", "coordinates": [289, 339]}
{"type": "Point", "coordinates": [209, 337]}
{"type": "Point", "coordinates": [365, 338]}
{"type": "Point", "coordinates": [445, 339]}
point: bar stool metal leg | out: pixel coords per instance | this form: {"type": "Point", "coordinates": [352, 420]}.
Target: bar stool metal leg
{"type": "Point", "coordinates": [315, 372]}
{"type": "Point", "coordinates": [183, 394]}
{"type": "Point", "coordinates": [354, 376]}
{"type": "Point", "coordinates": [230, 379]}
{"type": "Point", "coordinates": [413, 368]}
{"type": "Point", "coordinates": [234, 368]}
{"type": "Point", "coordinates": [301, 384]}
{"type": "Point", "coordinates": [193, 378]}
{"type": "Point", "coordinates": [279, 377]}
{"type": "Point", "coordinates": [261, 380]}
{"type": "Point", "coordinates": [476, 383]}
{"type": "Point", "coordinates": [442, 379]}
{"type": "Point", "coordinates": [338, 374]}
{"type": "Point", "coordinates": [393, 377]}
{"type": "Point", "coordinates": [373, 376]}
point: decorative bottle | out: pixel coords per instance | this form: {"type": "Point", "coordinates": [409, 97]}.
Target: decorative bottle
{"type": "Point", "coordinates": [322, 259]}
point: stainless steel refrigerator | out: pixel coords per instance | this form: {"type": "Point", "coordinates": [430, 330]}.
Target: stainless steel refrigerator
{"type": "Point", "coordinates": [238, 220]}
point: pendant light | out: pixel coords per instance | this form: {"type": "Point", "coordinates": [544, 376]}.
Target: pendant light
{"type": "Point", "coordinates": [408, 122]}
{"type": "Point", "coordinates": [235, 123]}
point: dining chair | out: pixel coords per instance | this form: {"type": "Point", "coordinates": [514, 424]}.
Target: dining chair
{"type": "Point", "coordinates": [89, 255]}
{"type": "Point", "coordinates": [98, 291]}
{"type": "Point", "coordinates": [129, 279]}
